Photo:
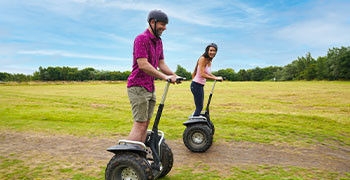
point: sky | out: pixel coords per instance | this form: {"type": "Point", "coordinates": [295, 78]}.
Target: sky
{"type": "Point", "coordinates": [100, 33]}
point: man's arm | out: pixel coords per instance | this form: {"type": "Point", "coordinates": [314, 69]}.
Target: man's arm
{"type": "Point", "coordinates": [164, 68]}
{"type": "Point", "coordinates": [146, 67]}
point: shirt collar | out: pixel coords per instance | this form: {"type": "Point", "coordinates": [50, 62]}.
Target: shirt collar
{"type": "Point", "coordinates": [150, 35]}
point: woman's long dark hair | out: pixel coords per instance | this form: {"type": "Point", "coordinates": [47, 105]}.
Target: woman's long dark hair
{"type": "Point", "coordinates": [205, 55]}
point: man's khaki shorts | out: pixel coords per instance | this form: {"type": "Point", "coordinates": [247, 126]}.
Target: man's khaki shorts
{"type": "Point", "coordinates": [142, 103]}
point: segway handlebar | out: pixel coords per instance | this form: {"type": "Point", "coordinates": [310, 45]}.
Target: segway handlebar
{"type": "Point", "coordinates": [223, 79]}
{"type": "Point", "coordinates": [179, 79]}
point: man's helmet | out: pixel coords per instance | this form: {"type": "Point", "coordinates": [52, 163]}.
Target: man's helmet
{"type": "Point", "coordinates": [157, 15]}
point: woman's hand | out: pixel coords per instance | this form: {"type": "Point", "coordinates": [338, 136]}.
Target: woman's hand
{"type": "Point", "coordinates": [219, 78]}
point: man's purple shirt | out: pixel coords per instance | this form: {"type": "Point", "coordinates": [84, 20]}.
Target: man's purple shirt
{"type": "Point", "coordinates": [145, 46]}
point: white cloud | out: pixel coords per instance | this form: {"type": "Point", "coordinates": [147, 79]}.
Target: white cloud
{"type": "Point", "coordinates": [197, 12]}
{"type": "Point", "coordinates": [72, 55]}
{"type": "Point", "coordinates": [14, 69]}
{"type": "Point", "coordinates": [316, 32]}
{"type": "Point", "coordinates": [118, 38]}
{"type": "Point", "coordinates": [175, 11]}
{"type": "Point", "coordinates": [106, 67]}
{"type": "Point", "coordinates": [318, 24]}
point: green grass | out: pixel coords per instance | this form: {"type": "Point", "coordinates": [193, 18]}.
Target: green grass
{"type": "Point", "coordinates": [264, 112]}
{"type": "Point", "coordinates": [19, 169]}
{"type": "Point", "coordinates": [297, 113]}
{"type": "Point", "coordinates": [261, 172]}
{"type": "Point", "coordinates": [12, 168]}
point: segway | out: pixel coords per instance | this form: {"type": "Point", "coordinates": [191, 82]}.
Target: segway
{"type": "Point", "coordinates": [198, 135]}
{"type": "Point", "coordinates": [130, 160]}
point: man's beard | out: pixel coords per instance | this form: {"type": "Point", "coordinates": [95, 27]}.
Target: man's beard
{"type": "Point", "coordinates": [159, 33]}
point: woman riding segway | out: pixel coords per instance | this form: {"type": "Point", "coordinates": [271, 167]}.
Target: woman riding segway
{"type": "Point", "coordinates": [198, 135]}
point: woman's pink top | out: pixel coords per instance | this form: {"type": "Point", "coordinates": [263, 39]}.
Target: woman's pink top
{"type": "Point", "coordinates": [198, 78]}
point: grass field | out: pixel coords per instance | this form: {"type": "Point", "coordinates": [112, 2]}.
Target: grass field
{"type": "Point", "coordinates": [298, 114]}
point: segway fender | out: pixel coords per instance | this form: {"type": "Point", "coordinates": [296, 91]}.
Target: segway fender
{"type": "Point", "coordinates": [195, 121]}
{"type": "Point", "coordinates": [127, 147]}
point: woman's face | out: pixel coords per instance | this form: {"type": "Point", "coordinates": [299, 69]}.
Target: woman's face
{"type": "Point", "coordinates": [212, 52]}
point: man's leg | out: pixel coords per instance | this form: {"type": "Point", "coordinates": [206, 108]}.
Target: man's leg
{"type": "Point", "coordinates": [139, 131]}
{"type": "Point", "coordinates": [142, 105]}
{"type": "Point", "coordinates": [145, 132]}
{"type": "Point", "coordinates": [139, 106]}
{"type": "Point", "coordinates": [151, 99]}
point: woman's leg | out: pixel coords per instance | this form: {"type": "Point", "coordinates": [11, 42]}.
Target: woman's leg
{"type": "Point", "coordinates": [198, 94]}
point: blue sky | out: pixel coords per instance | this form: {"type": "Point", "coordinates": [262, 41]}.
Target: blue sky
{"type": "Point", "coordinates": [100, 33]}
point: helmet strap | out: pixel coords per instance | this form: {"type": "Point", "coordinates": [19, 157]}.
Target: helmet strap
{"type": "Point", "coordinates": [155, 28]}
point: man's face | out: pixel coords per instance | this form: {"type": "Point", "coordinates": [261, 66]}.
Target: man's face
{"type": "Point", "coordinates": [161, 26]}
{"type": "Point", "coordinates": [212, 52]}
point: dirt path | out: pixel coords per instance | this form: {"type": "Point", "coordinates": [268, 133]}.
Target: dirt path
{"type": "Point", "coordinates": [222, 155]}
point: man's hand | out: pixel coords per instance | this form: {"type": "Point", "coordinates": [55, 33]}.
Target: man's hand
{"type": "Point", "coordinates": [172, 78]}
{"type": "Point", "coordinates": [177, 77]}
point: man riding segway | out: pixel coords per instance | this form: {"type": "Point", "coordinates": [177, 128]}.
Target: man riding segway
{"type": "Point", "coordinates": [147, 57]}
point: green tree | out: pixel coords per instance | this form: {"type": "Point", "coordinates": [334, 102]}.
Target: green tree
{"type": "Point", "coordinates": [310, 72]}
{"type": "Point", "coordinates": [4, 76]}
{"type": "Point", "coordinates": [242, 75]}
{"type": "Point", "coordinates": [289, 72]}
{"type": "Point", "coordinates": [180, 71]}
{"type": "Point", "coordinates": [74, 76]}
{"type": "Point", "coordinates": [269, 72]}
{"type": "Point", "coordinates": [36, 76]}
{"type": "Point", "coordinates": [256, 74]}
{"type": "Point", "coordinates": [53, 73]}
{"type": "Point", "coordinates": [322, 68]}
{"type": "Point", "coordinates": [87, 74]}
{"type": "Point", "coordinates": [228, 73]}
{"type": "Point", "coordinates": [339, 63]}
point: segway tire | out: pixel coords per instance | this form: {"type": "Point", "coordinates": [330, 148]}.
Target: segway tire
{"type": "Point", "coordinates": [167, 159]}
{"type": "Point", "coordinates": [213, 128]}
{"type": "Point", "coordinates": [128, 165]}
{"type": "Point", "coordinates": [198, 137]}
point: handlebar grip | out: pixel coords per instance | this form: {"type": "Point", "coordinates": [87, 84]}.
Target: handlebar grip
{"type": "Point", "coordinates": [177, 79]}
{"type": "Point", "coordinates": [180, 79]}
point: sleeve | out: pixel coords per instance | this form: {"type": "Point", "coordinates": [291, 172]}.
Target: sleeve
{"type": "Point", "coordinates": [161, 54]}
{"type": "Point", "coordinates": [140, 48]}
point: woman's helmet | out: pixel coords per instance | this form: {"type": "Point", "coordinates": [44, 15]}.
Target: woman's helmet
{"type": "Point", "coordinates": [157, 15]}
{"type": "Point", "coordinates": [206, 52]}
{"type": "Point", "coordinates": [213, 45]}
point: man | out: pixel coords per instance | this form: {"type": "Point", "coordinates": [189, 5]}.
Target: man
{"type": "Point", "coordinates": [148, 56]}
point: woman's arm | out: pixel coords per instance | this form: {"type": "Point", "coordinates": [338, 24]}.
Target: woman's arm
{"type": "Point", "coordinates": [202, 63]}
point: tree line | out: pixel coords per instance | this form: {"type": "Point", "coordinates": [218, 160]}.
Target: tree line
{"type": "Point", "coordinates": [334, 66]}
{"type": "Point", "coordinates": [66, 74]}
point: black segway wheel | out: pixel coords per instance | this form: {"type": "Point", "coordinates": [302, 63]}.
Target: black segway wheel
{"type": "Point", "coordinates": [128, 165]}
{"type": "Point", "coordinates": [198, 137]}
{"type": "Point", "coordinates": [212, 127]}
{"type": "Point", "coordinates": [167, 159]}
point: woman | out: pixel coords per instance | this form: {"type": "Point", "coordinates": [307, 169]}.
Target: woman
{"type": "Point", "coordinates": [201, 73]}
